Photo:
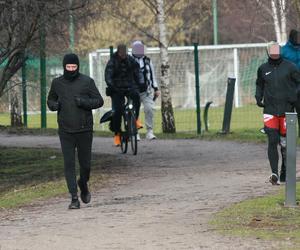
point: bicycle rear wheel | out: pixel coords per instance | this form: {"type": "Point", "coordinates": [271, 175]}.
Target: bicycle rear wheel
{"type": "Point", "coordinates": [124, 136]}
{"type": "Point", "coordinates": [124, 144]}
{"type": "Point", "coordinates": [132, 131]}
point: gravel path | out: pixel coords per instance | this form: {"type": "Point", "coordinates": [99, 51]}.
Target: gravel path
{"type": "Point", "coordinates": [162, 198]}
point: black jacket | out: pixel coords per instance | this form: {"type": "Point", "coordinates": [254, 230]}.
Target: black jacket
{"type": "Point", "coordinates": [276, 86]}
{"type": "Point", "coordinates": [74, 101]}
{"type": "Point", "coordinates": [123, 73]}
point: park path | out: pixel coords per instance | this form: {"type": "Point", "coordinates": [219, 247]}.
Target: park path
{"type": "Point", "coordinates": [162, 198]}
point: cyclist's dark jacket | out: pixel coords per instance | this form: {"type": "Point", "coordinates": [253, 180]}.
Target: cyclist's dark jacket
{"type": "Point", "coordinates": [70, 117]}
{"type": "Point", "coordinates": [276, 86]}
{"type": "Point", "coordinates": [122, 73]}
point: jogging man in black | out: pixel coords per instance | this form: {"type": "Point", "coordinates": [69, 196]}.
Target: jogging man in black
{"type": "Point", "coordinates": [276, 92]}
{"type": "Point", "coordinates": [73, 96]}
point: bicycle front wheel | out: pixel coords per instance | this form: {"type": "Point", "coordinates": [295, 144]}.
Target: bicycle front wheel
{"type": "Point", "coordinates": [124, 136]}
{"type": "Point", "coordinates": [132, 131]}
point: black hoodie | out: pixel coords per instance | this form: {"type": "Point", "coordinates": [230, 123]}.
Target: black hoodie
{"type": "Point", "coordinates": [74, 98]}
{"type": "Point", "coordinates": [123, 73]}
{"type": "Point", "coordinates": [293, 37]}
{"type": "Point", "coordinates": [71, 59]}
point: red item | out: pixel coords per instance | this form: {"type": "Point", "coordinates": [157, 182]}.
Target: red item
{"type": "Point", "coordinates": [275, 122]}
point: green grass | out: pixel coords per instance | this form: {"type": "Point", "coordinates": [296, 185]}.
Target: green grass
{"type": "Point", "coordinates": [246, 135]}
{"type": "Point", "coordinates": [20, 166]}
{"type": "Point", "coordinates": [29, 194]}
{"type": "Point", "coordinates": [34, 121]}
{"type": "Point", "coordinates": [30, 174]}
{"type": "Point", "coordinates": [263, 217]}
{"type": "Point", "coordinates": [248, 117]}
{"type": "Point", "coordinates": [245, 125]}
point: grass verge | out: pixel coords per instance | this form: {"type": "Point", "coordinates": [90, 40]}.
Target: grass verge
{"type": "Point", "coordinates": [240, 135]}
{"type": "Point", "coordinates": [27, 175]}
{"type": "Point", "coordinates": [265, 218]}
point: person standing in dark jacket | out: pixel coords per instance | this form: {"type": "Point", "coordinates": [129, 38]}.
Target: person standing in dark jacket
{"type": "Point", "coordinates": [122, 76]}
{"type": "Point", "coordinates": [291, 52]}
{"type": "Point", "coordinates": [73, 96]}
{"type": "Point", "coordinates": [276, 92]}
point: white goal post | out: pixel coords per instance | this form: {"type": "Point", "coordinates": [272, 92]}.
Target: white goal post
{"type": "Point", "coordinates": [216, 64]}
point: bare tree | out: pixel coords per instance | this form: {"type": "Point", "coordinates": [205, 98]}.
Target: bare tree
{"type": "Point", "coordinates": [19, 33]}
{"type": "Point", "coordinates": [159, 12]}
{"type": "Point", "coordinates": [277, 9]}
{"type": "Point", "coordinates": [168, 121]}
{"type": "Point", "coordinates": [20, 22]}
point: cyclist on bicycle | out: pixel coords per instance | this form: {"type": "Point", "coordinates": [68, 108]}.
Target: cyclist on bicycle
{"type": "Point", "coordinates": [122, 73]}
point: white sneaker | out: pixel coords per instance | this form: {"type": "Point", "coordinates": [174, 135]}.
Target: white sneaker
{"type": "Point", "coordinates": [150, 135]}
{"type": "Point", "coordinates": [138, 137]}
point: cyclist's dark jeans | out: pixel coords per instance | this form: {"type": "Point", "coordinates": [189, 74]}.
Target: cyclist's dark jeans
{"type": "Point", "coordinates": [118, 101]}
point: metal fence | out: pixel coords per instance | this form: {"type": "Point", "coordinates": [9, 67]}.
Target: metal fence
{"type": "Point", "coordinates": [216, 63]}
{"type": "Point", "coordinates": [54, 68]}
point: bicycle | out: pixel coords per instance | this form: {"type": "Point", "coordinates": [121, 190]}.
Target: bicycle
{"type": "Point", "coordinates": [128, 124]}
{"type": "Point", "coordinates": [128, 128]}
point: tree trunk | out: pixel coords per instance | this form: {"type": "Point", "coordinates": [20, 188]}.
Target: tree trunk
{"type": "Point", "coordinates": [282, 6]}
{"type": "Point", "coordinates": [15, 106]}
{"type": "Point", "coordinates": [168, 121]}
{"type": "Point", "coordinates": [279, 19]}
{"type": "Point", "coordinates": [276, 21]}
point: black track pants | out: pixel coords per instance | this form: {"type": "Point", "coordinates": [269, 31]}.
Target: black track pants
{"type": "Point", "coordinates": [273, 141]}
{"type": "Point", "coordinates": [83, 143]}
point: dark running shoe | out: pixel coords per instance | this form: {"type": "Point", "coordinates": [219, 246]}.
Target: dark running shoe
{"type": "Point", "coordinates": [274, 179]}
{"type": "Point", "coordinates": [85, 194]}
{"type": "Point", "coordinates": [282, 177]}
{"type": "Point", "coordinates": [75, 204]}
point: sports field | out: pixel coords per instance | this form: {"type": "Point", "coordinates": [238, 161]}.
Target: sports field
{"type": "Point", "coordinates": [247, 117]}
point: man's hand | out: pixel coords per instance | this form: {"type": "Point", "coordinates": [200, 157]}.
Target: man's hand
{"type": "Point", "coordinates": [82, 102]}
{"type": "Point", "coordinates": [156, 94]}
{"type": "Point", "coordinates": [109, 90]}
{"type": "Point", "coordinates": [260, 104]}
{"type": "Point", "coordinates": [54, 105]}
{"type": "Point", "coordinates": [78, 101]}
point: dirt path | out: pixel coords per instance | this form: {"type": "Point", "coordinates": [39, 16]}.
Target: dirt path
{"type": "Point", "coordinates": [161, 199]}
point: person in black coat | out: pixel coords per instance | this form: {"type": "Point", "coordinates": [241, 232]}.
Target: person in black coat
{"type": "Point", "coordinates": [122, 72]}
{"type": "Point", "coordinates": [73, 96]}
{"type": "Point", "coordinates": [276, 93]}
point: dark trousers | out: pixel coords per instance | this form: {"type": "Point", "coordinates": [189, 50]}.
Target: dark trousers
{"type": "Point", "coordinates": [83, 143]}
{"type": "Point", "coordinates": [273, 141]}
{"type": "Point", "coordinates": [118, 101]}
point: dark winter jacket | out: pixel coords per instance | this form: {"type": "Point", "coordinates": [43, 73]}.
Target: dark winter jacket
{"type": "Point", "coordinates": [123, 73]}
{"type": "Point", "coordinates": [276, 86]}
{"type": "Point", "coordinates": [74, 101]}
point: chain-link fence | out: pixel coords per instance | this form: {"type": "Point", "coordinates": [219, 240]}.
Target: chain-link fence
{"type": "Point", "coordinates": [54, 69]}
{"type": "Point", "coordinates": [216, 63]}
